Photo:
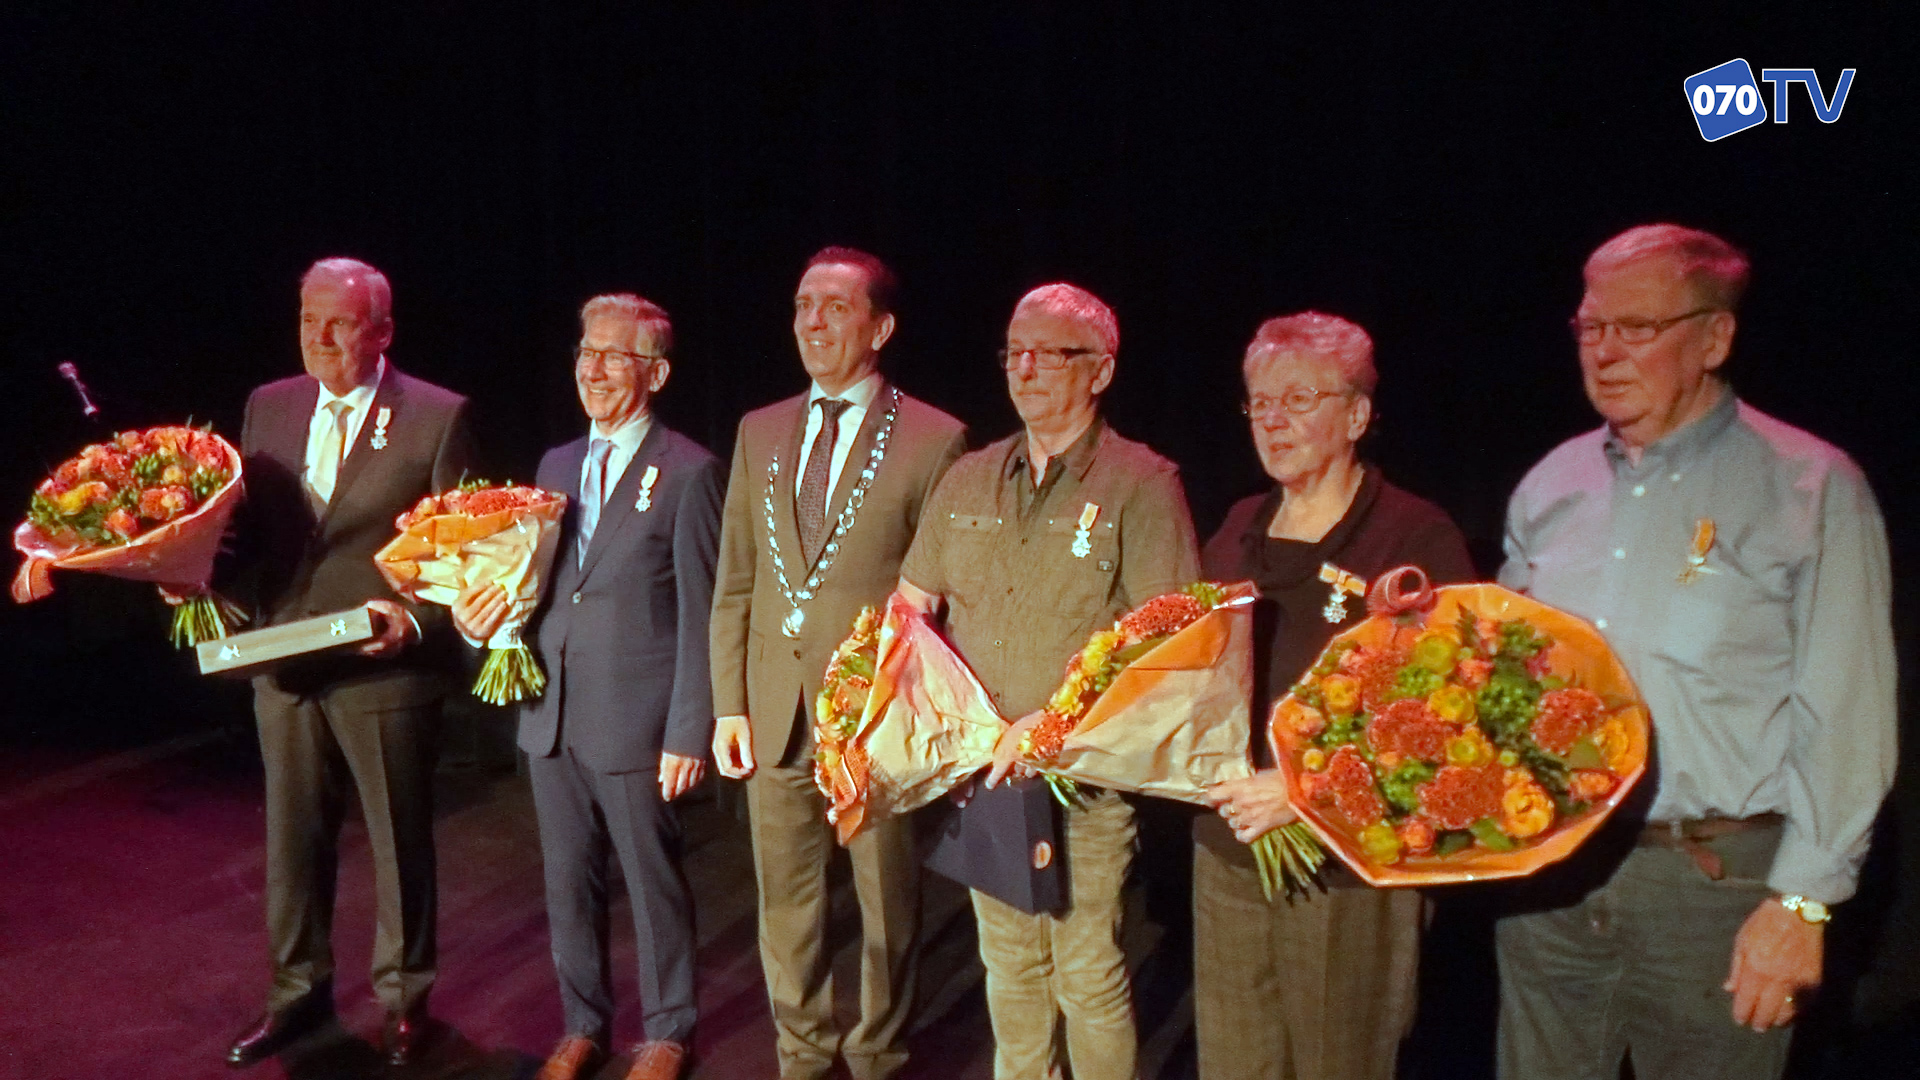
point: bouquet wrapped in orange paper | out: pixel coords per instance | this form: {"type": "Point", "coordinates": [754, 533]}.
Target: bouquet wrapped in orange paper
{"type": "Point", "coordinates": [1157, 705]}
{"type": "Point", "coordinates": [1464, 733]}
{"type": "Point", "coordinates": [151, 505]}
{"type": "Point", "coordinates": [477, 533]}
{"type": "Point", "coordinates": [900, 720]}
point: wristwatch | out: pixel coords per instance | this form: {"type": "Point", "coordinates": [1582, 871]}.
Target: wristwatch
{"type": "Point", "coordinates": [1812, 911]}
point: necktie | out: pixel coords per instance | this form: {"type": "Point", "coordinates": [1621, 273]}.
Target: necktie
{"type": "Point", "coordinates": [326, 463]}
{"type": "Point", "coordinates": [810, 504]}
{"type": "Point", "coordinates": [593, 492]}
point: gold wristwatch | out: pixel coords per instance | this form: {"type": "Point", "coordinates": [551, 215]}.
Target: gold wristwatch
{"type": "Point", "coordinates": [1812, 911]}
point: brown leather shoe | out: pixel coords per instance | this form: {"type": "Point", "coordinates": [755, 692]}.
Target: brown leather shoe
{"type": "Point", "coordinates": [576, 1056]}
{"type": "Point", "coordinates": [659, 1059]}
{"type": "Point", "coordinates": [272, 1032]}
{"type": "Point", "coordinates": [405, 1036]}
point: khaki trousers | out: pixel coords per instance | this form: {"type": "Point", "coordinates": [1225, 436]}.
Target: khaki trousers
{"type": "Point", "coordinates": [792, 843]}
{"type": "Point", "coordinates": [1042, 969]}
{"type": "Point", "coordinates": [1318, 987]}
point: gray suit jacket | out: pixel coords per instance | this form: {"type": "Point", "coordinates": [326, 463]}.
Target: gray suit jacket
{"type": "Point", "coordinates": [298, 564]}
{"type": "Point", "coordinates": [623, 638]}
{"type": "Point", "coordinates": [756, 670]}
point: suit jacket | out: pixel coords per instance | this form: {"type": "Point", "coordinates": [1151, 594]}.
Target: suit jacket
{"type": "Point", "coordinates": [756, 669]}
{"type": "Point", "coordinates": [623, 637]}
{"type": "Point", "coordinates": [302, 564]}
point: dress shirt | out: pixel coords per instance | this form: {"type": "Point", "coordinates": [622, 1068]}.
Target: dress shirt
{"type": "Point", "coordinates": [359, 402]}
{"type": "Point", "coordinates": [1001, 551]}
{"type": "Point", "coordinates": [1770, 676]}
{"type": "Point", "coordinates": [859, 397]}
{"type": "Point", "coordinates": [626, 440]}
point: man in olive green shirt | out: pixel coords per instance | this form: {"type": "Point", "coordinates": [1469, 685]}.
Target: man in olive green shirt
{"type": "Point", "coordinates": [1034, 543]}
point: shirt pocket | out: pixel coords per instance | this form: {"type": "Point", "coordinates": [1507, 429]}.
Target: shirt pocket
{"type": "Point", "coordinates": [1077, 575]}
{"type": "Point", "coordinates": [1733, 621]}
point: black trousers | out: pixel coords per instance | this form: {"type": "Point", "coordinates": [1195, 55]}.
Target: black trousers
{"type": "Point", "coordinates": [584, 814]}
{"type": "Point", "coordinates": [379, 736]}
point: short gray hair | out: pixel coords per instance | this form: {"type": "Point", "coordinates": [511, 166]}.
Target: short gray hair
{"type": "Point", "coordinates": [1073, 302]}
{"type": "Point", "coordinates": [1328, 336]}
{"type": "Point", "coordinates": [638, 310]}
{"type": "Point", "coordinates": [341, 270]}
{"type": "Point", "coordinates": [1717, 271]}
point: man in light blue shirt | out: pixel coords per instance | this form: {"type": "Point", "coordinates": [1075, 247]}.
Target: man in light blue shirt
{"type": "Point", "coordinates": [1738, 566]}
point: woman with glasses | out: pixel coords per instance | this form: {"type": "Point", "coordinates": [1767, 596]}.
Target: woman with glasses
{"type": "Point", "coordinates": [1320, 984]}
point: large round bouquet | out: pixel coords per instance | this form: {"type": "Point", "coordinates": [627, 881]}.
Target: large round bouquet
{"type": "Point", "coordinates": [151, 506]}
{"type": "Point", "coordinates": [1470, 734]}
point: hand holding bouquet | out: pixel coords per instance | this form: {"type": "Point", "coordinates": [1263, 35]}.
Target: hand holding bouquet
{"type": "Point", "coordinates": [899, 721]}
{"type": "Point", "coordinates": [151, 505]}
{"type": "Point", "coordinates": [1469, 734]}
{"type": "Point", "coordinates": [481, 534]}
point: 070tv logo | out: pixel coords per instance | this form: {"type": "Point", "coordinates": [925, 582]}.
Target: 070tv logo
{"type": "Point", "coordinates": [1726, 99]}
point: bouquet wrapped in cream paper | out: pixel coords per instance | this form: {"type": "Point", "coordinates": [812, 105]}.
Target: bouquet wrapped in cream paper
{"type": "Point", "coordinates": [900, 720]}
{"type": "Point", "coordinates": [151, 505]}
{"type": "Point", "coordinates": [475, 533]}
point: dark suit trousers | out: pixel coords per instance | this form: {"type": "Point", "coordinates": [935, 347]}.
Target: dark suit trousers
{"type": "Point", "coordinates": [313, 747]}
{"type": "Point", "coordinates": [792, 844]}
{"type": "Point", "coordinates": [583, 813]}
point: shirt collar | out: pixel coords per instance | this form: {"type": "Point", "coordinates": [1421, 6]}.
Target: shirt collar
{"type": "Point", "coordinates": [1682, 446]}
{"type": "Point", "coordinates": [627, 437]}
{"type": "Point", "coordinates": [1077, 458]}
{"type": "Point", "coordinates": [860, 395]}
{"type": "Point", "coordinates": [357, 398]}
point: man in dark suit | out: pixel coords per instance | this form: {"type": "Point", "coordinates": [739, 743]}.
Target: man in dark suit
{"type": "Point", "coordinates": [332, 457]}
{"type": "Point", "coordinates": [625, 722]}
{"type": "Point", "coordinates": [823, 500]}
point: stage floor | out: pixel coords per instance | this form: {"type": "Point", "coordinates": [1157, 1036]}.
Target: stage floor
{"type": "Point", "coordinates": [131, 939]}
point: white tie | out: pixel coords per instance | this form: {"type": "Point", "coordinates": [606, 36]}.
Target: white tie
{"type": "Point", "coordinates": [326, 463]}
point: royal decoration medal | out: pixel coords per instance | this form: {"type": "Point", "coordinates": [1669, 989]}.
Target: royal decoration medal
{"type": "Point", "coordinates": [1343, 583]}
{"type": "Point", "coordinates": [379, 440]}
{"type": "Point", "coordinates": [1082, 540]}
{"type": "Point", "coordinates": [1703, 533]}
{"type": "Point", "coordinates": [645, 501]}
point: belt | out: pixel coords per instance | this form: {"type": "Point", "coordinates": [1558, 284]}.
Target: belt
{"type": "Point", "coordinates": [1691, 837]}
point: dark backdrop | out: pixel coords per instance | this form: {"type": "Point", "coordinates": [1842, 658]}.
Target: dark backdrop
{"type": "Point", "coordinates": [1437, 177]}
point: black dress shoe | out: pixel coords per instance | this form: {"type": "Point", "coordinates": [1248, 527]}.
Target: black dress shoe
{"type": "Point", "coordinates": [405, 1036]}
{"type": "Point", "coordinates": [273, 1032]}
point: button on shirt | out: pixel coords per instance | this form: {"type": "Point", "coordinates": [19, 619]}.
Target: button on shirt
{"type": "Point", "coordinates": [859, 398]}
{"type": "Point", "coordinates": [359, 402]}
{"type": "Point", "coordinates": [1000, 549]}
{"type": "Point", "coordinates": [1770, 675]}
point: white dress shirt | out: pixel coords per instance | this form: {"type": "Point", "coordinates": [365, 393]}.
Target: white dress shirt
{"type": "Point", "coordinates": [859, 397]}
{"type": "Point", "coordinates": [359, 402]}
{"type": "Point", "coordinates": [626, 441]}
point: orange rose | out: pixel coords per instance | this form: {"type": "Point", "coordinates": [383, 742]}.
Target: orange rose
{"type": "Point", "coordinates": [1526, 809]}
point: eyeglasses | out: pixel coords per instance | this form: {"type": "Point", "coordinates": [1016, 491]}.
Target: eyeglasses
{"type": "Point", "coordinates": [1298, 400]}
{"type": "Point", "coordinates": [1631, 331]}
{"type": "Point", "coordinates": [612, 359]}
{"type": "Point", "coordinates": [1043, 359]}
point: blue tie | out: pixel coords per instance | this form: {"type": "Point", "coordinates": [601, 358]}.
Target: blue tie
{"type": "Point", "coordinates": [593, 492]}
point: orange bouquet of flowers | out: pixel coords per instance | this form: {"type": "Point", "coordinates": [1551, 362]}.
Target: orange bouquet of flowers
{"type": "Point", "coordinates": [151, 505]}
{"type": "Point", "coordinates": [900, 720]}
{"type": "Point", "coordinates": [504, 535]}
{"type": "Point", "coordinates": [1459, 734]}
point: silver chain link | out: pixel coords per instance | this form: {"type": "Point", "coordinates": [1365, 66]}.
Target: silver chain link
{"type": "Point", "coordinates": [840, 526]}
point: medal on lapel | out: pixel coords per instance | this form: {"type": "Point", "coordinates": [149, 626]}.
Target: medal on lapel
{"type": "Point", "coordinates": [1082, 539]}
{"type": "Point", "coordinates": [1343, 583]}
{"type": "Point", "coordinates": [1703, 534]}
{"type": "Point", "coordinates": [645, 501]}
{"type": "Point", "coordinates": [379, 440]}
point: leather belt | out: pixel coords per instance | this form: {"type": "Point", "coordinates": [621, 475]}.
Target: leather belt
{"type": "Point", "coordinates": [1691, 837]}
